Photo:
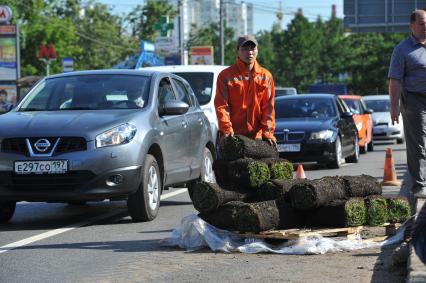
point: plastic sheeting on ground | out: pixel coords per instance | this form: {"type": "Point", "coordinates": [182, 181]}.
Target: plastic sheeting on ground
{"type": "Point", "coordinates": [194, 234]}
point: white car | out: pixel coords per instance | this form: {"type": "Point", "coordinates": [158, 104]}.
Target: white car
{"type": "Point", "coordinates": [202, 79]}
{"type": "Point", "coordinates": [382, 124]}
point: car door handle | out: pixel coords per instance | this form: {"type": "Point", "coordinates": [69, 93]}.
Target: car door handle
{"type": "Point", "coordinates": [184, 124]}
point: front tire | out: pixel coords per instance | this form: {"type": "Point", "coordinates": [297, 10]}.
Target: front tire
{"type": "Point", "coordinates": [143, 205]}
{"type": "Point", "coordinates": [7, 209]}
{"type": "Point", "coordinates": [207, 172]}
{"type": "Point", "coordinates": [354, 158]}
{"type": "Point", "coordinates": [338, 160]}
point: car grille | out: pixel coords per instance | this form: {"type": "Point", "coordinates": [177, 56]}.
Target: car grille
{"type": "Point", "coordinates": [32, 182]}
{"type": "Point", "coordinates": [65, 145]}
{"type": "Point", "coordinates": [290, 136]}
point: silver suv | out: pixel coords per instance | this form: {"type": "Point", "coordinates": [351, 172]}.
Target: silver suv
{"type": "Point", "coordinates": [96, 135]}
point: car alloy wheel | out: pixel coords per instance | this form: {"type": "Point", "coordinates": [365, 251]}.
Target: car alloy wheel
{"type": "Point", "coordinates": [355, 156]}
{"type": "Point", "coordinates": [207, 173]}
{"type": "Point", "coordinates": [7, 209]}
{"type": "Point", "coordinates": [144, 204]}
{"type": "Point", "coordinates": [338, 160]}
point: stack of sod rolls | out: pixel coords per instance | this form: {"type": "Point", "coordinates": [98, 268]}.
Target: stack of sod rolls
{"type": "Point", "coordinates": [255, 192]}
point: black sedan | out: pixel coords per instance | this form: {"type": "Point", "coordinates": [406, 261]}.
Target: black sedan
{"type": "Point", "coordinates": [315, 128]}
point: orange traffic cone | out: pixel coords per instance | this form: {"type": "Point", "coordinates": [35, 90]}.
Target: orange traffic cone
{"type": "Point", "coordinates": [300, 173]}
{"type": "Point", "coordinates": [389, 176]}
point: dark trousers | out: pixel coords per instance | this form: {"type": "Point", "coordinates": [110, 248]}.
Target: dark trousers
{"type": "Point", "coordinates": [413, 109]}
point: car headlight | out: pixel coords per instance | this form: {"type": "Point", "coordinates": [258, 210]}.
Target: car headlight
{"type": "Point", "coordinates": [359, 126]}
{"type": "Point", "coordinates": [322, 135]}
{"type": "Point", "coordinates": [119, 135]}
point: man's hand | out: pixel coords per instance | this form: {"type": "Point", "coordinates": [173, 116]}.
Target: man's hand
{"type": "Point", "coordinates": [224, 138]}
{"type": "Point", "coordinates": [395, 114]}
{"type": "Point", "coordinates": [272, 142]}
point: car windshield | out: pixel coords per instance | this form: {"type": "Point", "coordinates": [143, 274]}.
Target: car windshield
{"type": "Point", "coordinates": [201, 83]}
{"type": "Point", "coordinates": [382, 105]}
{"type": "Point", "coordinates": [305, 108]}
{"type": "Point", "coordinates": [353, 105]}
{"type": "Point", "coordinates": [88, 92]}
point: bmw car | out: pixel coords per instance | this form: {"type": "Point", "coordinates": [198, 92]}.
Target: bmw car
{"type": "Point", "coordinates": [106, 134]}
{"type": "Point", "coordinates": [315, 128]}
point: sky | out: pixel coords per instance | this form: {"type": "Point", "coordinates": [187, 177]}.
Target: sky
{"type": "Point", "coordinates": [264, 11]}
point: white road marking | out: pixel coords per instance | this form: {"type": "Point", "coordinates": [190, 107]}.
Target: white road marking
{"type": "Point", "coordinates": [58, 231]}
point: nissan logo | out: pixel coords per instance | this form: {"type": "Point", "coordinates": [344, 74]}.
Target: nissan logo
{"type": "Point", "coordinates": [42, 145]}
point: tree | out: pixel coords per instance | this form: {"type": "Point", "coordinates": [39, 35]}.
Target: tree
{"type": "Point", "coordinates": [368, 63]}
{"type": "Point", "coordinates": [297, 50]}
{"type": "Point", "coordinates": [143, 18]}
{"type": "Point", "coordinates": [209, 36]}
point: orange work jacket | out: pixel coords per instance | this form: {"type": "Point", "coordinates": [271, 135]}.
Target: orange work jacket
{"type": "Point", "coordinates": [244, 101]}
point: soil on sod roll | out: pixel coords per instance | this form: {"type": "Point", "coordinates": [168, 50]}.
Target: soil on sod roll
{"type": "Point", "coordinates": [361, 186]}
{"type": "Point", "coordinates": [248, 172]}
{"type": "Point", "coordinates": [338, 213]}
{"type": "Point", "coordinates": [377, 210]}
{"type": "Point", "coordinates": [311, 194]}
{"type": "Point", "coordinates": [289, 218]}
{"type": "Point", "coordinates": [256, 217]}
{"type": "Point", "coordinates": [220, 168]}
{"type": "Point", "coordinates": [241, 147]}
{"type": "Point", "coordinates": [209, 196]}
{"type": "Point", "coordinates": [398, 209]}
{"type": "Point", "coordinates": [280, 168]}
{"type": "Point", "coordinates": [224, 217]}
{"type": "Point", "coordinates": [275, 189]}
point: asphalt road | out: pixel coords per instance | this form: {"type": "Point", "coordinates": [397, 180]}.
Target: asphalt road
{"type": "Point", "coordinates": [98, 242]}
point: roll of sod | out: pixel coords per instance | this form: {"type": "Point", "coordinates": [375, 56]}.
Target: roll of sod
{"type": "Point", "coordinates": [398, 208]}
{"type": "Point", "coordinates": [243, 147]}
{"type": "Point", "coordinates": [224, 217]}
{"type": "Point", "coordinates": [377, 210]}
{"type": "Point", "coordinates": [338, 213]}
{"type": "Point", "coordinates": [361, 186]}
{"type": "Point", "coordinates": [248, 172]}
{"type": "Point", "coordinates": [209, 196]}
{"type": "Point", "coordinates": [280, 168]}
{"type": "Point", "coordinates": [311, 194]}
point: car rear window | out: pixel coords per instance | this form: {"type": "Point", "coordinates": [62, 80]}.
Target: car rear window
{"type": "Point", "coordinates": [378, 105]}
{"type": "Point", "coordinates": [201, 83]}
{"type": "Point", "coordinates": [89, 92]}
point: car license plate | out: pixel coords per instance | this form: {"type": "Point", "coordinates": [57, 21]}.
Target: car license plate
{"type": "Point", "coordinates": [289, 147]}
{"type": "Point", "coordinates": [41, 167]}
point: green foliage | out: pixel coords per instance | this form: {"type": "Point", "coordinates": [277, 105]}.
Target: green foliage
{"type": "Point", "coordinates": [355, 212]}
{"type": "Point", "coordinates": [143, 18]}
{"type": "Point", "coordinates": [302, 54]}
{"type": "Point", "coordinates": [377, 211]}
{"type": "Point", "coordinates": [258, 173]}
{"type": "Point", "coordinates": [399, 209]}
{"type": "Point", "coordinates": [282, 170]}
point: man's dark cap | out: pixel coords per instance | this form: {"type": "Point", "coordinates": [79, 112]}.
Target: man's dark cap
{"type": "Point", "coordinates": [244, 39]}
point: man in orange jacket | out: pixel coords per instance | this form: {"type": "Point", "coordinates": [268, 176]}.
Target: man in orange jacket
{"type": "Point", "coordinates": [245, 96]}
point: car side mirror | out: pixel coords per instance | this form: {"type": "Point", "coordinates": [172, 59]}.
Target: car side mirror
{"type": "Point", "coordinates": [368, 111]}
{"type": "Point", "coordinates": [174, 107]}
{"type": "Point", "coordinates": [347, 114]}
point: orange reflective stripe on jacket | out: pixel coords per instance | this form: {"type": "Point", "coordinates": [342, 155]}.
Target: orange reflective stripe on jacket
{"type": "Point", "coordinates": [245, 102]}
